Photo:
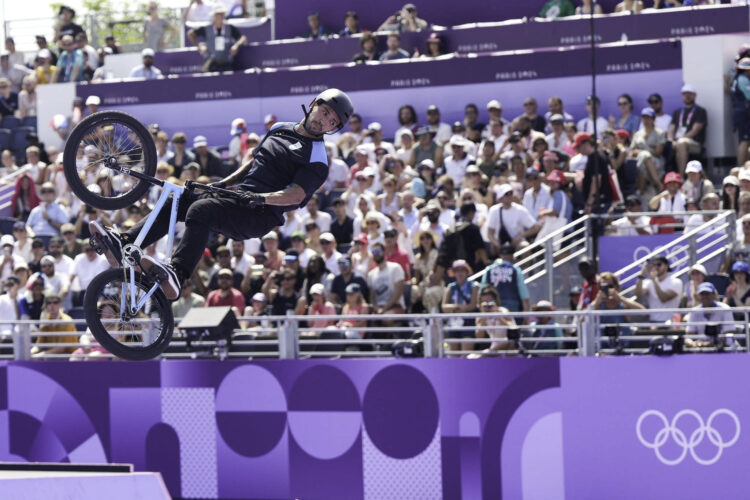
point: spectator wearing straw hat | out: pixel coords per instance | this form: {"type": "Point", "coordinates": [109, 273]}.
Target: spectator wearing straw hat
{"type": "Point", "coordinates": [461, 296]}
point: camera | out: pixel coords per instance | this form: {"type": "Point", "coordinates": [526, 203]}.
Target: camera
{"type": "Point", "coordinates": [712, 330]}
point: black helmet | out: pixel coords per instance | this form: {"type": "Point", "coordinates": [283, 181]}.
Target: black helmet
{"type": "Point", "coordinates": [339, 102]}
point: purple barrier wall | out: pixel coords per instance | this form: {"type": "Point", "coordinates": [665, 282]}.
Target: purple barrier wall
{"type": "Point", "coordinates": [291, 19]}
{"type": "Point", "coordinates": [207, 105]}
{"type": "Point", "coordinates": [500, 37]}
{"type": "Point", "coordinates": [646, 428]}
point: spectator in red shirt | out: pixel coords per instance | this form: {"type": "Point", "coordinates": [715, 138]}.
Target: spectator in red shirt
{"type": "Point", "coordinates": [226, 295]}
{"type": "Point", "coordinates": [394, 254]}
{"type": "Point", "coordinates": [590, 287]}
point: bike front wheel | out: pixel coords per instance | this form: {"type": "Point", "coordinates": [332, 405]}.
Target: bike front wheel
{"type": "Point", "coordinates": [135, 336]}
{"type": "Point", "coordinates": [100, 152]}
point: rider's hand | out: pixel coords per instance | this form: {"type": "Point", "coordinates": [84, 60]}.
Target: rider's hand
{"type": "Point", "coordinates": [253, 200]}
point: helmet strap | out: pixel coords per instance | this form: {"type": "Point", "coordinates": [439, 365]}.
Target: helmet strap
{"type": "Point", "coordinates": [304, 122]}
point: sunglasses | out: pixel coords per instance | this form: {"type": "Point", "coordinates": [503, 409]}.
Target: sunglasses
{"type": "Point", "coordinates": [46, 265]}
{"type": "Point", "coordinates": [371, 222]}
{"type": "Point", "coordinates": [487, 305]}
{"type": "Point", "coordinates": [654, 101]}
{"type": "Point", "coordinates": [47, 191]}
{"type": "Point", "coordinates": [528, 104]}
{"type": "Point", "coordinates": [377, 251]}
{"type": "Point", "coordinates": [53, 302]}
{"type": "Point", "coordinates": [623, 103]}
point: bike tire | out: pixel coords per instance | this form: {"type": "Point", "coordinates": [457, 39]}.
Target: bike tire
{"type": "Point", "coordinates": [128, 141]}
{"type": "Point", "coordinates": [104, 292]}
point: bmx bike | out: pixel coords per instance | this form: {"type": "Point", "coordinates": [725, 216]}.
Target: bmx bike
{"type": "Point", "coordinates": [124, 307]}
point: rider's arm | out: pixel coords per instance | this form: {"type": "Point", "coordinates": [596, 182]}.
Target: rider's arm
{"type": "Point", "coordinates": [236, 176]}
{"type": "Point", "coordinates": [292, 195]}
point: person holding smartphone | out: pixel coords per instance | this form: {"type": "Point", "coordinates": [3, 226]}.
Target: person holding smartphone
{"type": "Point", "coordinates": [609, 299]}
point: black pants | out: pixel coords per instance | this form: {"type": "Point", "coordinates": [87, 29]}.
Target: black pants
{"type": "Point", "coordinates": [203, 214]}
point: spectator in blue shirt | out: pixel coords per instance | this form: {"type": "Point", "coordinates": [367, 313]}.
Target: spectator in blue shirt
{"type": "Point", "coordinates": [508, 280]}
{"type": "Point", "coordinates": [146, 70]}
{"type": "Point", "coordinates": [47, 218]}
{"type": "Point", "coordinates": [70, 63]}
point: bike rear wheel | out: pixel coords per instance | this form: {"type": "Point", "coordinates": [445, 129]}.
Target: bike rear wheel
{"type": "Point", "coordinates": [100, 145]}
{"type": "Point", "coordinates": [134, 337]}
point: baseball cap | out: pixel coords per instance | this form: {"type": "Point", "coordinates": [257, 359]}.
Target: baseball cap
{"type": "Point", "coordinates": [375, 126]}
{"type": "Point", "coordinates": [504, 189]}
{"type": "Point", "coordinates": [390, 233]}
{"type": "Point", "coordinates": [237, 123]}
{"type": "Point", "coordinates": [426, 164]}
{"type": "Point", "coordinates": [431, 108]}
{"type": "Point", "coordinates": [345, 261]}
{"type": "Point", "coordinates": [93, 100]}
{"type": "Point", "coordinates": [580, 138]}
{"type": "Point", "coordinates": [298, 235]}
{"type": "Point", "coordinates": [7, 239]}
{"type": "Point", "coordinates": [694, 166]}
{"type": "Point", "coordinates": [219, 9]}
{"type": "Point", "coordinates": [744, 175]}
{"type": "Point", "coordinates": [730, 180]}
{"type": "Point", "coordinates": [199, 141]}
{"type": "Point", "coordinates": [688, 88]}
{"type": "Point", "coordinates": [457, 140]}
{"type": "Point", "coordinates": [368, 172]}
{"type": "Point", "coordinates": [147, 52]}
{"type": "Point", "coordinates": [461, 263]}
{"type": "Point", "coordinates": [19, 225]}
{"type": "Point", "coordinates": [361, 238]}
{"type": "Point", "coordinates": [672, 177]}
{"type": "Point", "coordinates": [532, 172]}
{"type": "Point", "coordinates": [260, 297]}
{"type": "Point", "coordinates": [318, 289]}
{"type": "Point", "coordinates": [648, 111]}
{"type": "Point", "coordinates": [743, 64]}
{"type": "Point", "coordinates": [353, 288]}
{"type": "Point", "coordinates": [291, 257]}
{"type": "Point", "coordinates": [67, 227]}
{"type": "Point", "coordinates": [361, 150]}
{"type": "Point", "coordinates": [424, 130]}
{"type": "Point", "coordinates": [494, 104]}
{"type": "Point", "coordinates": [44, 53]}
{"type": "Point", "coordinates": [739, 266]}
{"type": "Point", "coordinates": [557, 117]}
{"type": "Point", "coordinates": [473, 169]}
{"type": "Point", "coordinates": [327, 237]}
{"type": "Point", "coordinates": [706, 287]}
{"type": "Point", "coordinates": [47, 259]}
{"type": "Point", "coordinates": [271, 235]}
{"type": "Point", "coordinates": [269, 118]}
{"type": "Point", "coordinates": [632, 200]}
{"type": "Point", "coordinates": [701, 269]}
{"type": "Point", "coordinates": [224, 272]}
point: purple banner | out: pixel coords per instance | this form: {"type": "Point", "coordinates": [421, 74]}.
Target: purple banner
{"type": "Point", "coordinates": [291, 19]}
{"type": "Point", "coordinates": [379, 90]}
{"type": "Point", "coordinates": [616, 252]}
{"type": "Point", "coordinates": [514, 35]}
{"type": "Point", "coordinates": [361, 429]}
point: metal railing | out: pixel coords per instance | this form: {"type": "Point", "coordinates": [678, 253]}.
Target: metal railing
{"type": "Point", "coordinates": [698, 246]}
{"type": "Point", "coordinates": [563, 333]}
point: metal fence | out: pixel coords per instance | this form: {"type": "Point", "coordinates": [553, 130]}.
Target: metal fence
{"type": "Point", "coordinates": [553, 333]}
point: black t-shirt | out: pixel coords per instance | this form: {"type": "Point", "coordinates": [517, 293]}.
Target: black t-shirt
{"type": "Point", "coordinates": [213, 165]}
{"type": "Point", "coordinates": [281, 304]}
{"type": "Point", "coordinates": [187, 157]}
{"type": "Point", "coordinates": [538, 123]}
{"type": "Point", "coordinates": [285, 157]}
{"type": "Point", "coordinates": [71, 29]}
{"type": "Point", "coordinates": [460, 243]}
{"type": "Point", "coordinates": [338, 287]}
{"type": "Point", "coordinates": [605, 190]}
{"type": "Point", "coordinates": [342, 232]}
{"type": "Point", "coordinates": [688, 117]}
{"type": "Point", "coordinates": [10, 105]}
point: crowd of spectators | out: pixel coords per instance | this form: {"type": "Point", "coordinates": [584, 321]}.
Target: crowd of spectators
{"type": "Point", "coordinates": [404, 224]}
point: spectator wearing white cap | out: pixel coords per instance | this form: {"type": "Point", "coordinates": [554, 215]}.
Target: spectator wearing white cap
{"type": "Point", "coordinates": [9, 261]}
{"type": "Point", "coordinates": [709, 202]}
{"type": "Point", "coordinates": [730, 193]}
{"type": "Point", "coordinates": [330, 255]}
{"type": "Point", "coordinates": [45, 68]}
{"type": "Point", "coordinates": [457, 162]}
{"type": "Point", "coordinates": [374, 139]}
{"type": "Point", "coordinates": [147, 69]}
{"type": "Point", "coordinates": [92, 104]}
{"type": "Point", "coordinates": [210, 164]}
{"type": "Point", "coordinates": [509, 222]}
{"type": "Point", "coordinates": [557, 139]}
{"type": "Point", "coordinates": [696, 276]}
{"type": "Point", "coordinates": [688, 128]}
{"type": "Point", "coordinates": [157, 32]}
{"type": "Point", "coordinates": [237, 144]}
{"type": "Point", "coordinates": [495, 111]}
{"type": "Point", "coordinates": [696, 185]}
{"type": "Point", "coordinates": [220, 42]}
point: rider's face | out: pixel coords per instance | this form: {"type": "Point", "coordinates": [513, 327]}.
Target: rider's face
{"type": "Point", "coordinates": [322, 120]}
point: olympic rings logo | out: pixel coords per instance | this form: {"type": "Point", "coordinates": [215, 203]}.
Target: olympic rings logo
{"type": "Point", "coordinates": [670, 429]}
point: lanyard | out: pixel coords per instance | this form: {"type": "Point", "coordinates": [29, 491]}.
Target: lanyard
{"type": "Point", "coordinates": [680, 123]}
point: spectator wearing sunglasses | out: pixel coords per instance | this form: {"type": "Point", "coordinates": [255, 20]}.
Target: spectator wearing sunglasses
{"type": "Point", "coordinates": [663, 291]}
{"type": "Point", "coordinates": [87, 265]}
{"type": "Point", "coordinates": [53, 311]}
{"type": "Point", "coordinates": [46, 219]}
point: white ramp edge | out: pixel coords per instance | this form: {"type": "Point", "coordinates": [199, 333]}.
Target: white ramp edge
{"type": "Point", "coordinates": [33, 485]}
